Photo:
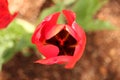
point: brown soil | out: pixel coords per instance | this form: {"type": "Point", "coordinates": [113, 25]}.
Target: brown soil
{"type": "Point", "coordinates": [101, 60]}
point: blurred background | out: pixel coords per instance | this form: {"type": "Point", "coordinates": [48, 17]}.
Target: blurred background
{"type": "Point", "coordinates": [101, 59]}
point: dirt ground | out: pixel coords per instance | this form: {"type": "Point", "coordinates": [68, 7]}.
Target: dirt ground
{"type": "Point", "coordinates": [100, 61]}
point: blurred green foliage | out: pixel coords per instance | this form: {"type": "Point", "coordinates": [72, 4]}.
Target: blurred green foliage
{"type": "Point", "coordinates": [17, 37]}
{"type": "Point", "coordinates": [85, 11]}
{"type": "Point", "coordinates": [13, 39]}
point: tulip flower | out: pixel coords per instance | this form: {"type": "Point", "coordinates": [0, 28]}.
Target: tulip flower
{"type": "Point", "coordinates": [5, 16]}
{"type": "Point", "coordinates": [60, 43]}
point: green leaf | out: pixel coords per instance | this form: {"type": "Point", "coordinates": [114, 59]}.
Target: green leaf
{"type": "Point", "coordinates": [85, 11]}
{"type": "Point", "coordinates": [98, 25]}
{"type": "Point", "coordinates": [8, 54]}
{"type": "Point", "coordinates": [13, 39]}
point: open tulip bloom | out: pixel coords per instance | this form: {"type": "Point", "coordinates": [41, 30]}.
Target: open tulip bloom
{"type": "Point", "coordinates": [5, 16]}
{"type": "Point", "coordinates": [60, 43]}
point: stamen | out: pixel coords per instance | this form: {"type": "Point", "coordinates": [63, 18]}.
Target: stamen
{"type": "Point", "coordinates": [72, 46]}
{"type": "Point", "coordinates": [65, 42]}
{"type": "Point", "coordinates": [66, 37]}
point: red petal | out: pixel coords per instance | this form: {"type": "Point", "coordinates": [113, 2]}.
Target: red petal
{"type": "Point", "coordinates": [70, 16]}
{"type": "Point", "coordinates": [50, 23]}
{"type": "Point", "coordinates": [48, 50]}
{"type": "Point", "coordinates": [44, 27]}
{"type": "Point", "coordinates": [3, 4]}
{"type": "Point", "coordinates": [37, 33]}
{"type": "Point", "coordinates": [71, 32]}
{"type": "Point", "coordinates": [54, 30]}
{"type": "Point", "coordinates": [55, 60]}
{"type": "Point", "coordinates": [5, 16]}
{"type": "Point", "coordinates": [77, 32]}
{"type": "Point", "coordinates": [78, 29]}
{"type": "Point", "coordinates": [78, 50]}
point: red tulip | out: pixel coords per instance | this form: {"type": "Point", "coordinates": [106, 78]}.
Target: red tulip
{"type": "Point", "coordinates": [5, 16]}
{"type": "Point", "coordinates": [60, 43]}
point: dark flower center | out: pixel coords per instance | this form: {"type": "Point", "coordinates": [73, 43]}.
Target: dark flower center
{"type": "Point", "coordinates": [64, 41]}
